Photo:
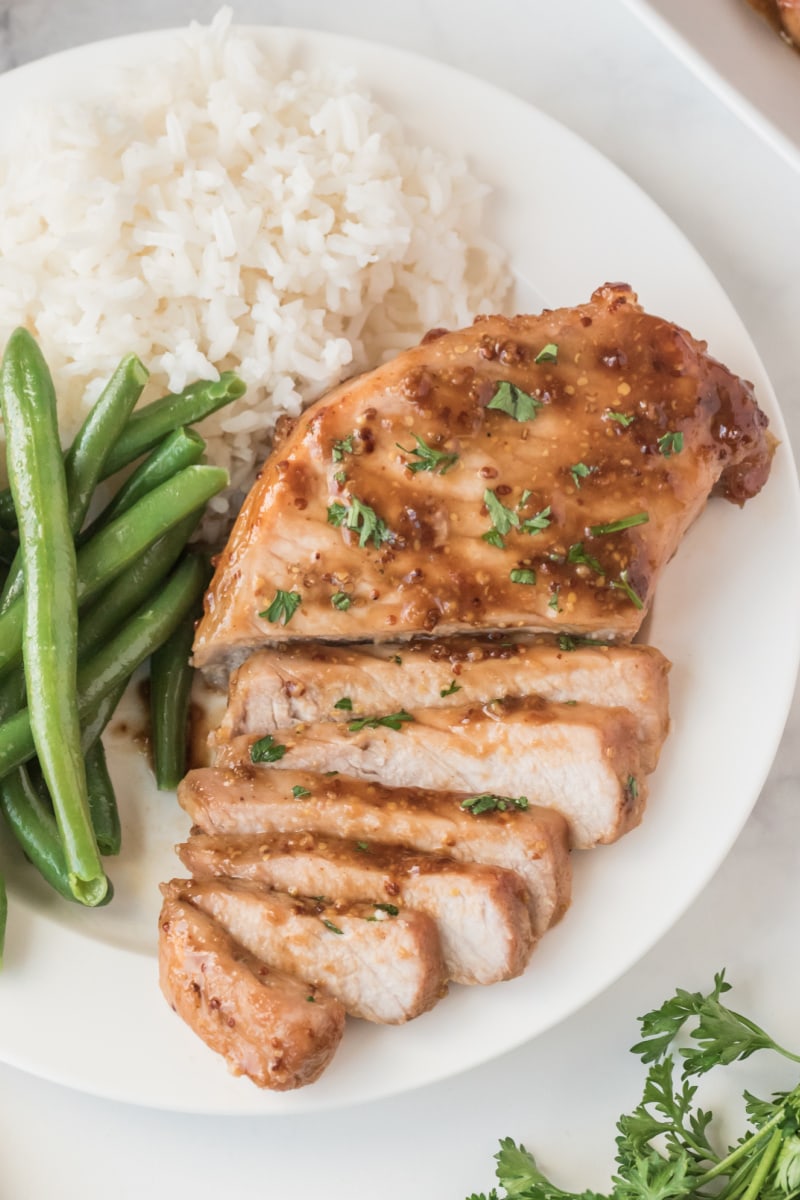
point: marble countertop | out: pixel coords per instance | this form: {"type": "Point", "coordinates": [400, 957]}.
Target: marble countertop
{"type": "Point", "coordinates": [595, 68]}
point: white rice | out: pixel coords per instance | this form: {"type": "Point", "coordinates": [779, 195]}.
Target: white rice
{"type": "Point", "coordinates": [223, 213]}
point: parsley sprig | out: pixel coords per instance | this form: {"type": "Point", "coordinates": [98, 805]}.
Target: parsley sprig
{"type": "Point", "coordinates": [359, 517]}
{"type": "Point", "coordinates": [664, 1147]}
{"type": "Point", "coordinates": [282, 608]}
{"type": "Point", "coordinates": [394, 721]}
{"type": "Point", "coordinates": [510, 399]}
{"type": "Point", "coordinates": [428, 458]}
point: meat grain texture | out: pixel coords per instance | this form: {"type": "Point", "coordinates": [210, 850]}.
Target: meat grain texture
{"type": "Point", "coordinates": [424, 613]}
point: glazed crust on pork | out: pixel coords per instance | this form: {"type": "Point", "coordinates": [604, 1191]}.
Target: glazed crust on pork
{"type": "Point", "coordinates": [534, 473]}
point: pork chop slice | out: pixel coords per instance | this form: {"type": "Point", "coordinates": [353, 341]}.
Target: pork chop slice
{"type": "Point", "coordinates": [580, 759]}
{"type": "Point", "coordinates": [277, 1031]}
{"type": "Point", "coordinates": [481, 912]}
{"type": "Point", "coordinates": [529, 473]}
{"type": "Point", "coordinates": [381, 963]}
{"type": "Point", "coordinates": [309, 682]}
{"type": "Point", "coordinates": [254, 800]}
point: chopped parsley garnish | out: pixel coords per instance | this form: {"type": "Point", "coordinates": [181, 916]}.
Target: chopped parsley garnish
{"type": "Point", "coordinates": [283, 607]}
{"type": "Point", "coordinates": [522, 575]}
{"type": "Point", "coordinates": [345, 446]}
{"type": "Point", "coordinates": [340, 477]}
{"type": "Point", "coordinates": [437, 461]}
{"type": "Point", "coordinates": [361, 518]}
{"type": "Point", "coordinates": [330, 925]}
{"type": "Point", "coordinates": [341, 600]}
{"type": "Point", "coordinates": [510, 399]}
{"type": "Point", "coordinates": [394, 721]}
{"type": "Point", "coordinates": [568, 641]}
{"type": "Point", "coordinates": [266, 750]}
{"type": "Point", "coordinates": [391, 909]}
{"type": "Point", "coordinates": [580, 471]}
{"type": "Point", "coordinates": [548, 353]}
{"type": "Point", "coordinates": [345, 703]}
{"type": "Point", "coordinates": [640, 518]}
{"type": "Point", "coordinates": [553, 601]}
{"type": "Point", "coordinates": [623, 419]}
{"type": "Point", "coordinates": [311, 999]}
{"type": "Point", "coordinates": [362, 846]}
{"type": "Point", "coordinates": [505, 519]}
{"type": "Point", "coordinates": [397, 659]}
{"type": "Point", "coordinates": [450, 691]}
{"type": "Point", "coordinates": [538, 522]}
{"type": "Point", "coordinates": [633, 787]}
{"type": "Point", "coordinates": [488, 802]}
{"type": "Point", "coordinates": [577, 554]}
{"type": "Point", "coordinates": [623, 584]}
{"type": "Point", "coordinates": [298, 791]}
{"type": "Point", "coordinates": [670, 443]}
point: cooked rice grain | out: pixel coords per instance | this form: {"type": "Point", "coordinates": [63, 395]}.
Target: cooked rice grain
{"type": "Point", "coordinates": [224, 211]}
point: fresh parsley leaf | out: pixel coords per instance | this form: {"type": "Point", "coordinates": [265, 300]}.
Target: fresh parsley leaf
{"type": "Point", "coordinates": [428, 459]}
{"type": "Point", "coordinates": [394, 721]}
{"type": "Point", "coordinates": [341, 600]}
{"type": "Point", "coordinates": [580, 471]}
{"type": "Point", "coordinates": [266, 750]}
{"type": "Point", "coordinates": [397, 659]}
{"type": "Point", "coordinates": [538, 522]}
{"type": "Point", "coordinates": [488, 802]}
{"type": "Point", "coordinates": [670, 443]}
{"type": "Point", "coordinates": [623, 419]}
{"type": "Point", "coordinates": [503, 519]}
{"type": "Point", "coordinates": [283, 607]}
{"type": "Point", "coordinates": [553, 601]}
{"type": "Point", "coordinates": [363, 846]}
{"type": "Point", "coordinates": [340, 477]}
{"type": "Point", "coordinates": [330, 925]}
{"type": "Point", "coordinates": [494, 539]}
{"type": "Point", "coordinates": [577, 554]}
{"type": "Point", "coordinates": [632, 787]}
{"type": "Point", "coordinates": [311, 999]}
{"type": "Point", "coordinates": [623, 584]}
{"type": "Point", "coordinates": [567, 641]}
{"type": "Point", "coordinates": [640, 518]}
{"type": "Point", "coordinates": [522, 575]}
{"type": "Point", "coordinates": [359, 517]}
{"type": "Point", "coordinates": [340, 448]}
{"type": "Point", "coordinates": [510, 399]}
{"type": "Point", "coordinates": [391, 909]}
{"type": "Point", "coordinates": [451, 690]}
{"type": "Point", "coordinates": [345, 703]}
{"type": "Point", "coordinates": [298, 791]}
{"type": "Point", "coordinates": [547, 354]}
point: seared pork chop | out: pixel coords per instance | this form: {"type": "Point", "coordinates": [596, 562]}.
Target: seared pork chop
{"type": "Point", "coordinates": [279, 1032]}
{"type": "Point", "coordinates": [580, 759]}
{"type": "Point", "coordinates": [532, 473]}
{"type": "Point", "coordinates": [382, 963]}
{"type": "Point", "coordinates": [255, 800]}
{"type": "Point", "coordinates": [481, 912]}
{"type": "Point", "coordinates": [306, 682]}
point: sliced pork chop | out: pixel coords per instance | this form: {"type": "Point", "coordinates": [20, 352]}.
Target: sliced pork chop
{"type": "Point", "coordinates": [382, 963]}
{"type": "Point", "coordinates": [580, 759]}
{"type": "Point", "coordinates": [279, 1032]}
{"type": "Point", "coordinates": [253, 800]}
{"type": "Point", "coordinates": [533, 473]}
{"type": "Point", "coordinates": [481, 912]}
{"type": "Point", "coordinates": [306, 682]}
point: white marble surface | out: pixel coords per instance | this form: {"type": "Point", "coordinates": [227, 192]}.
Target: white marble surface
{"type": "Point", "coordinates": [592, 66]}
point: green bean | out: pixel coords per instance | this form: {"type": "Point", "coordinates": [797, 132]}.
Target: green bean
{"type": "Point", "coordinates": [84, 460]}
{"type": "Point", "coordinates": [102, 801]}
{"type": "Point", "coordinates": [50, 635]}
{"type": "Point", "coordinates": [149, 425]}
{"type": "Point", "coordinates": [111, 666]}
{"type": "Point", "coordinates": [114, 548]}
{"type": "Point", "coordinates": [113, 606]}
{"type": "Point", "coordinates": [93, 727]}
{"type": "Point", "coordinates": [179, 449]}
{"type": "Point", "coordinates": [31, 821]}
{"type": "Point", "coordinates": [170, 688]}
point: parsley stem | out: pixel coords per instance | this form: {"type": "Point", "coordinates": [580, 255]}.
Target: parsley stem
{"type": "Point", "coordinates": [764, 1166]}
{"type": "Point", "coordinates": [744, 1148]}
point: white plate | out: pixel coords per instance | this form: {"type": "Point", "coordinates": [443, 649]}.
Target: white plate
{"type": "Point", "coordinates": [739, 55]}
{"type": "Point", "coordinates": [79, 999]}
